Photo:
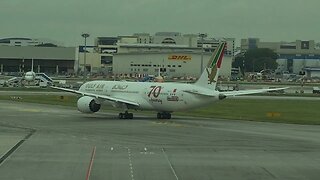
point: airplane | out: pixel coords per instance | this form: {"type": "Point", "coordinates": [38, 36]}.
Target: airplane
{"type": "Point", "coordinates": [30, 75]}
{"type": "Point", "coordinates": [164, 98]}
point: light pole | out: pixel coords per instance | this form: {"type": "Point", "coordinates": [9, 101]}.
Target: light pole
{"type": "Point", "coordinates": [85, 36]}
{"type": "Point", "coordinates": [202, 36]}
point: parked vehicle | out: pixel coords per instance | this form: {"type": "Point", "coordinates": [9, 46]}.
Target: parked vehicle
{"type": "Point", "coordinates": [316, 90]}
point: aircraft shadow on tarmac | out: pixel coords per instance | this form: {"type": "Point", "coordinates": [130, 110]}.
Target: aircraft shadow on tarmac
{"type": "Point", "coordinates": [111, 117]}
{"type": "Point", "coordinates": [108, 117]}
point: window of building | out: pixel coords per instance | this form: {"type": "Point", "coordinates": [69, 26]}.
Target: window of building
{"type": "Point", "coordinates": [173, 65]}
{"type": "Point", "coordinates": [145, 70]}
{"type": "Point", "coordinates": [288, 47]}
{"type": "Point", "coordinates": [168, 41]}
{"type": "Point", "coordinates": [179, 65]}
{"type": "Point", "coordinates": [169, 65]}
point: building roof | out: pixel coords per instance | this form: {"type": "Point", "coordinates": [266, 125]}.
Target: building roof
{"type": "Point", "coordinates": [155, 45]}
{"type": "Point", "coordinates": [7, 40]}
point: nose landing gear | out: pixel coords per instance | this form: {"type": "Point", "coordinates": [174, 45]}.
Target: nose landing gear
{"type": "Point", "coordinates": [125, 115]}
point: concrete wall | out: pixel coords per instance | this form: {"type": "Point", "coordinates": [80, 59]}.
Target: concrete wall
{"type": "Point", "coordinates": [148, 63]}
{"type": "Point", "coordinates": [93, 62]}
{"type": "Point", "coordinates": [282, 65]}
{"type": "Point", "coordinates": [29, 52]}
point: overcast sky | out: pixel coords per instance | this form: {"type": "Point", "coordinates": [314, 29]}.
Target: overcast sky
{"type": "Point", "coordinates": [65, 20]}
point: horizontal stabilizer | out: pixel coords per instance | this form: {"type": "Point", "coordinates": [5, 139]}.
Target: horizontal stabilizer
{"type": "Point", "coordinates": [200, 93]}
{"type": "Point", "coordinates": [246, 92]}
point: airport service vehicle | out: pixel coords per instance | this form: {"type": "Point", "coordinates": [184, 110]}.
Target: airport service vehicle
{"type": "Point", "coordinates": [316, 90]}
{"type": "Point", "coordinates": [164, 98]}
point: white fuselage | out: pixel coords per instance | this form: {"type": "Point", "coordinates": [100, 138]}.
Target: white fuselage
{"type": "Point", "coordinates": [165, 97]}
{"type": "Point", "coordinates": [30, 76]}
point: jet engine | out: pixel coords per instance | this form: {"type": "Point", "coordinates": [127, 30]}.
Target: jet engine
{"type": "Point", "coordinates": [87, 104]}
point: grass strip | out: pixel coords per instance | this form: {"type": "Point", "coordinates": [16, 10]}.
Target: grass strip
{"type": "Point", "coordinates": [265, 110]}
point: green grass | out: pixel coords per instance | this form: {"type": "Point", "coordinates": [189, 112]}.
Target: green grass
{"type": "Point", "coordinates": [286, 94]}
{"type": "Point", "coordinates": [43, 99]}
{"type": "Point", "coordinates": [271, 83]}
{"type": "Point", "coordinates": [28, 89]}
{"type": "Point", "coordinates": [273, 110]}
{"type": "Point", "coordinates": [283, 111]}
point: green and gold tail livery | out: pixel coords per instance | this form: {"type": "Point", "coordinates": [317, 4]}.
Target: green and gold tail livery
{"type": "Point", "coordinates": [209, 77]}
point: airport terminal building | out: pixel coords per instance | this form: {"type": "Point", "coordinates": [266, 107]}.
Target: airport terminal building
{"type": "Point", "coordinates": [295, 57]}
{"type": "Point", "coordinates": [16, 55]}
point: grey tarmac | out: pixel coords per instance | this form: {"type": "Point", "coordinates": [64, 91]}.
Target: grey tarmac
{"type": "Point", "coordinates": [147, 148]}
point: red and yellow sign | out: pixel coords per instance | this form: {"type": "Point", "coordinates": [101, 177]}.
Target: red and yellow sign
{"type": "Point", "coordinates": [179, 57]}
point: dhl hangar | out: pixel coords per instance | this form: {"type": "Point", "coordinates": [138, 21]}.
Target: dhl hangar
{"type": "Point", "coordinates": [141, 54]}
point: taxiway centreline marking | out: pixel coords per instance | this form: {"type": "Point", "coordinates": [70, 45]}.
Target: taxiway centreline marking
{"type": "Point", "coordinates": [130, 164]}
{"type": "Point", "coordinates": [91, 163]}
{"type": "Point", "coordinates": [172, 169]}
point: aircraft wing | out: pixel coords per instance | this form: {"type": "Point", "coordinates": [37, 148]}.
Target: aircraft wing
{"type": "Point", "coordinates": [98, 96]}
{"type": "Point", "coordinates": [246, 92]}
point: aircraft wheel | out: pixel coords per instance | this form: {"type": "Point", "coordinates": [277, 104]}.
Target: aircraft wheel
{"type": "Point", "coordinates": [121, 116]}
{"type": "Point", "coordinates": [125, 115]}
{"type": "Point", "coordinates": [129, 116]}
{"type": "Point", "coordinates": [164, 115]}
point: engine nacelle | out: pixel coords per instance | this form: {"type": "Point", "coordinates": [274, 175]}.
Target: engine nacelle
{"type": "Point", "coordinates": [88, 104]}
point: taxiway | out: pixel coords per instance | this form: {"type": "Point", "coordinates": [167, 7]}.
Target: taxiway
{"type": "Point", "coordinates": [57, 142]}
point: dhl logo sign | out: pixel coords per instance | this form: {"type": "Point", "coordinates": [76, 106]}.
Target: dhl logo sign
{"type": "Point", "coordinates": [179, 57]}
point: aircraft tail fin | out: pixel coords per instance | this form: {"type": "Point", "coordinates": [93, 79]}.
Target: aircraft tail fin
{"type": "Point", "coordinates": [209, 76]}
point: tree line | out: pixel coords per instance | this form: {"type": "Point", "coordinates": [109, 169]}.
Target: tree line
{"type": "Point", "coordinates": [255, 60]}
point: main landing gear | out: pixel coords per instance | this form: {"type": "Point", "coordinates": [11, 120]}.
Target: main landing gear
{"type": "Point", "coordinates": [164, 115]}
{"type": "Point", "coordinates": [125, 115]}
